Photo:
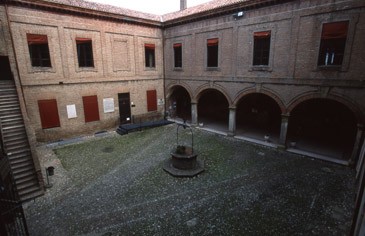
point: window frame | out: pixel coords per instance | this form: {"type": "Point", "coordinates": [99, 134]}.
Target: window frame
{"type": "Point", "coordinates": [150, 50]}
{"type": "Point", "coordinates": [261, 37]}
{"type": "Point", "coordinates": [38, 45]}
{"type": "Point", "coordinates": [328, 57]}
{"type": "Point", "coordinates": [212, 46]}
{"type": "Point", "coordinates": [84, 51]}
{"type": "Point", "coordinates": [178, 64]}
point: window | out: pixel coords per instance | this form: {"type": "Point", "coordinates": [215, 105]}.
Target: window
{"type": "Point", "coordinates": [149, 51]}
{"type": "Point", "coordinates": [177, 55]}
{"type": "Point", "coordinates": [333, 40]}
{"type": "Point", "coordinates": [84, 52]}
{"type": "Point", "coordinates": [212, 52]}
{"type": "Point", "coordinates": [151, 100]}
{"type": "Point", "coordinates": [91, 108]}
{"type": "Point", "coordinates": [48, 112]}
{"type": "Point", "coordinates": [261, 48]}
{"type": "Point", "coordinates": [38, 50]}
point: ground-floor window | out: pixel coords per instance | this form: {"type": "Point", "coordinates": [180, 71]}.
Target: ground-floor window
{"type": "Point", "coordinates": [151, 100]}
{"type": "Point", "coordinates": [48, 112]}
{"type": "Point", "coordinates": [91, 108]}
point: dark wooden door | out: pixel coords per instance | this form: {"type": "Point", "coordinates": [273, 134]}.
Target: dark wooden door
{"type": "Point", "coordinates": [124, 108]}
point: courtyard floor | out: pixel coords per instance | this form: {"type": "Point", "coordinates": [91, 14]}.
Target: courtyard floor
{"type": "Point", "coordinates": [115, 185]}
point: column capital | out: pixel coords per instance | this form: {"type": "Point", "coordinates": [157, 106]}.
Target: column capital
{"type": "Point", "coordinates": [232, 107]}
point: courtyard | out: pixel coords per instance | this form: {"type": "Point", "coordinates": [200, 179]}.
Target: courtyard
{"type": "Point", "coordinates": [115, 185]}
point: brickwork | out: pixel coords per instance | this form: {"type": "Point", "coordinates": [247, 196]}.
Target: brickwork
{"type": "Point", "coordinates": [292, 72]}
{"type": "Point", "coordinates": [119, 67]}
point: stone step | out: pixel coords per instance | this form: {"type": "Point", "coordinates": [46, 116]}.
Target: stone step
{"type": "Point", "coordinates": [36, 192]}
{"type": "Point", "coordinates": [25, 153]}
{"type": "Point", "coordinates": [21, 170]}
{"type": "Point", "coordinates": [16, 133]}
{"type": "Point", "coordinates": [27, 184]}
{"type": "Point", "coordinates": [21, 164]}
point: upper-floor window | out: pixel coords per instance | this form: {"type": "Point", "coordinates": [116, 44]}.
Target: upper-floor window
{"type": "Point", "coordinates": [84, 52]}
{"type": "Point", "coordinates": [177, 55]}
{"type": "Point", "coordinates": [333, 41]}
{"type": "Point", "coordinates": [149, 52]}
{"type": "Point", "coordinates": [212, 52]}
{"type": "Point", "coordinates": [38, 50]}
{"type": "Point", "coordinates": [261, 48]}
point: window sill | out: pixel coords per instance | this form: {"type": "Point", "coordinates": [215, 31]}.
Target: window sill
{"type": "Point", "coordinates": [329, 68]}
{"type": "Point", "coordinates": [177, 69]}
{"type": "Point", "coordinates": [42, 69]}
{"type": "Point", "coordinates": [150, 68]}
{"type": "Point", "coordinates": [261, 68]}
{"type": "Point", "coordinates": [86, 69]}
{"type": "Point", "coordinates": [212, 69]}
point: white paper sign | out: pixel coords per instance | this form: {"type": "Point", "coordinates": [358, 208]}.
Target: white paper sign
{"type": "Point", "coordinates": [160, 101]}
{"type": "Point", "coordinates": [108, 105]}
{"type": "Point", "coordinates": [71, 111]}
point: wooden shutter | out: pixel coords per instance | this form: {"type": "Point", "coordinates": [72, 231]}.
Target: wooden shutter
{"type": "Point", "coordinates": [37, 39]}
{"type": "Point", "coordinates": [212, 42]}
{"type": "Point", "coordinates": [335, 30]}
{"type": "Point", "coordinates": [48, 112]}
{"type": "Point", "coordinates": [91, 108]}
{"type": "Point", "coordinates": [151, 100]}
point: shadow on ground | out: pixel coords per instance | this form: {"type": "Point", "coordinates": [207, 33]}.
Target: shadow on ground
{"type": "Point", "coordinates": [115, 185]}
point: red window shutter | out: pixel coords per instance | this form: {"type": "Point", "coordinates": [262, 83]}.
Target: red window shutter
{"type": "Point", "coordinates": [91, 108]}
{"type": "Point", "coordinates": [335, 30]}
{"type": "Point", "coordinates": [149, 46]}
{"type": "Point", "coordinates": [37, 39]}
{"type": "Point", "coordinates": [263, 34]}
{"type": "Point", "coordinates": [82, 40]}
{"type": "Point", "coordinates": [212, 42]}
{"type": "Point", "coordinates": [48, 112]}
{"type": "Point", "coordinates": [177, 45]}
{"type": "Point", "coordinates": [151, 100]}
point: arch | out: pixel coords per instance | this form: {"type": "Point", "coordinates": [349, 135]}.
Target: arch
{"type": "Point", "coordinates": [258, 115]}
{"type": "Point", "coordinates": [213, 109]}
{"type": "Point", "coordinates": [324, 126]}
{"type": "Point", "coordinates": [200, 90]}
{"type": "Point", "coordinates": [179, 102]}
{"type": "Point", "coordinates": [272, 95]}
{"type": "Point", "coordinates": [170, 88]}
{"type": "Point", "coordinates": [344, 101]}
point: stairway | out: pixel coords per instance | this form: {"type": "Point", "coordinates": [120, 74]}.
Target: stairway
{"type": "Point", "coordinates": [16, 143]}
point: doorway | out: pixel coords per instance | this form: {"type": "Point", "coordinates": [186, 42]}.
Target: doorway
{"type": "Point", "coordinates": [5, 68]}
{"type": "Point", "coordinates": [124, 108]}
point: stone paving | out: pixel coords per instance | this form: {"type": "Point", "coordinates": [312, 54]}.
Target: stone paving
{"type": "Point", "coordinates": [115, 185]}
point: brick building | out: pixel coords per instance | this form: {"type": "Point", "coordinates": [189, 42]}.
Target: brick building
{"type": "Point", "coordinates": [283, 73]}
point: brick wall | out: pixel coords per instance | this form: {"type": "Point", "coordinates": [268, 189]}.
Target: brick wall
{"type": "Point", "coordinates": [119, 67]}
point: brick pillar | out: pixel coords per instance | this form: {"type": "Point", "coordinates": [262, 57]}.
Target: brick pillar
{"type": "Point", "coordinates": [232, 121]}
{"type": "Point", "coordinates": [284, 129]}
{"type": "Point", "coordinates": [194, 113]}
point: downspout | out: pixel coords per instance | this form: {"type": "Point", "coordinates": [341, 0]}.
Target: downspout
{"type": "Point", "coordinates": [164, 71]}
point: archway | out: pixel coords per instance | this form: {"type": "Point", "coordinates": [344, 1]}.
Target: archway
{"type": "Point", "coordinates": [213, 110]}
{"type": "Point", "coordinates": [323, 126]}
{"type": "Point", "coordinates": [258, 115]}
{"type": "Point", "coordinates": [180, 103]}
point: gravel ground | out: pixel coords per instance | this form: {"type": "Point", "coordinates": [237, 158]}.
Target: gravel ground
{"type": "Point", "coordinates": [115, 185]}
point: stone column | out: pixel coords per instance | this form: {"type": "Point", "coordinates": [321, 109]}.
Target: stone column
{"type": "Point", "coordinates": [284, 129]}
{"type": "Point", "coordinates": [232, 121]}
{"type": "Point", "coordinates": [355, 150]}
{"type": "Point", "coordinates": [194, 113]}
